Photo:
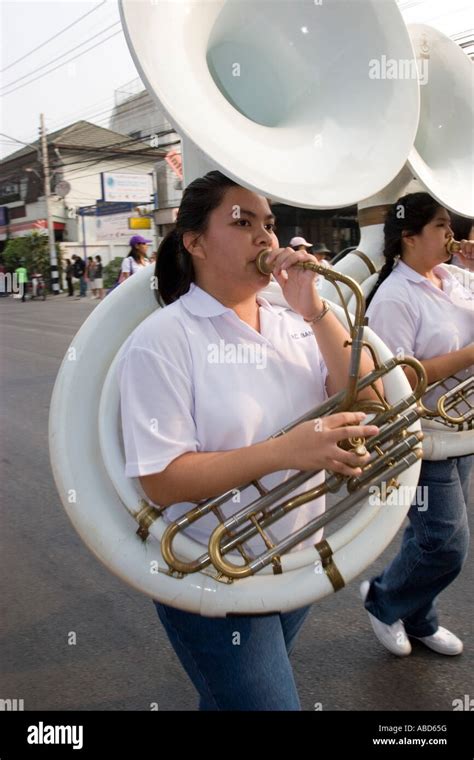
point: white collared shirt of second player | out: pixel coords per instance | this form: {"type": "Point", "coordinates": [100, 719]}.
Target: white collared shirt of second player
{"type": "Point", "coordinates": [414, 317]}
{"type": "Point", "coordinates": [195, 377]}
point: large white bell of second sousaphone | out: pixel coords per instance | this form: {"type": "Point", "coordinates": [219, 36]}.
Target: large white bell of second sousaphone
{"type": "Point", "coordinates": [442, 157]}
{"type": "Point", "coordinates": [289, 97]}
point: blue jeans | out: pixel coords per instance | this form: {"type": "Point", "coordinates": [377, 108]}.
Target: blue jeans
{"type": "Point", "coordinates": [238, 662]}
{"type": "Point", "coordinates": [434, 548]}
{"type": "Point", "coordinates": [82, 286]}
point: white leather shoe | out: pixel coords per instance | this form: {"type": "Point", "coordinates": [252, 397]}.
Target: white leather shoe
{"type": "Point", "coordinates": [442, 641]}
{"type": "Point", "coordinates": [392, 637]}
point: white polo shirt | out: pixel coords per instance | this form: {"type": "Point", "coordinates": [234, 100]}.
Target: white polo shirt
{"type": "Point", "coordinates": [130, 266]}
{"type": "Point", "coordinates": [414, 317]}
{"type": "Point", "coordinates": [195, 377]}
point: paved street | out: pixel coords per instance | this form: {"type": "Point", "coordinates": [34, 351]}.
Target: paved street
{"type": "Point", "coordinates": [51, 585]}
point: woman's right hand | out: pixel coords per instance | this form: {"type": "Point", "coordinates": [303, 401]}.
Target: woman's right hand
{"type": "Point", "coordinates": [313, 445]}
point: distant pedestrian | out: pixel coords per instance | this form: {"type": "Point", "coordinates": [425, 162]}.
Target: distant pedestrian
{"type": "Point", "coordinates": [98, 281]}
{"type": "Point", "coordinates": [79, 269]}
{"type": "Point", "coordinates": [322, 254]}
{"type": "Point", "coordinates": [22, 279]}
{"type": "Point", "coordinates": [90, 275]}
{"type": "Point", "coordinates": [137, 257]}
{"type": "Point", "coordinates": [300, 244]}
{"type": "Point", "coordinates": [318, 249]}
{"type": "Point", "coordinates": [69, 276]}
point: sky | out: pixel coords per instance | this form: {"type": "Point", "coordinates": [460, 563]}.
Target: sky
{"type": "Point", "coordinates": [84, 88]}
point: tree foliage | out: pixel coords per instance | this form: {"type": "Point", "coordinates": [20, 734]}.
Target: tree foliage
{"type": "Point", "coordinates": [32, 252]}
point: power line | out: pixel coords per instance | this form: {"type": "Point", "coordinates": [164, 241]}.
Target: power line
{"type": "Point", "coordinates": [113, 168]}
{"type": "Point", "coordinates": [81, 113]}
{"type": "Point", "coordinates": [60, 65]}
{"type": "Point", "coordinates": [43, 66]}
{"type": "Point", "coordinates": [124, 143]}
{"type": "Point", "coordinates": [53, 37]}
{"type": "Point", "coordinates": [19, 141]}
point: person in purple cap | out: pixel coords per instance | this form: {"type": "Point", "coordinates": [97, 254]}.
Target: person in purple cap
{"type": "Point", "coordinates": [137, 257]}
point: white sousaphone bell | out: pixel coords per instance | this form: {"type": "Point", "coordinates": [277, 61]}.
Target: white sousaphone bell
{"type": "Point", "coordinates": [441, 163]}
{"type": "Point", "coordinates": [277, 96]}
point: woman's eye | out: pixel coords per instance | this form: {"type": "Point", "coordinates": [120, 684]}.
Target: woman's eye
{"type": "Point", "coordinates": [242, 222]}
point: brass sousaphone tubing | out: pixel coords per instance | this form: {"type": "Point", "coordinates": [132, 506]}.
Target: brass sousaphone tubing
{"type": "Point", "coordinates": [388, 461]}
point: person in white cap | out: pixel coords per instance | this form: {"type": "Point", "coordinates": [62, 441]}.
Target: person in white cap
{"type": "Point", "coordinates": [319, 250]}
{"type": "Point", "coordinates": [300, 244]}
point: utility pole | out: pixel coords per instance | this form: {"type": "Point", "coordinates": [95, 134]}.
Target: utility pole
{"type": "Point", "coordinates": [47, 192]}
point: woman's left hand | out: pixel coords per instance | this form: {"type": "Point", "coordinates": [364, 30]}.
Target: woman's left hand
{"type": "Point", "coordinates": [466, 254]}
{"type": "Point", "coordinates": [299, 286]}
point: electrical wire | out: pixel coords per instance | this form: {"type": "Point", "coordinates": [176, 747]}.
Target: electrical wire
{"type": "Point", "coordinates": [53, 60]}
{"type": "Point", "coordinates": [60, 65]}
{"type": "Point", "coordinates": [53, 37]}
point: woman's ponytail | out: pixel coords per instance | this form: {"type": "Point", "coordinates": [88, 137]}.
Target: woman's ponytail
{"type": "Point", "coordinates": [174, 267]}
{"type": "Point", "coordinates": [409, 214]}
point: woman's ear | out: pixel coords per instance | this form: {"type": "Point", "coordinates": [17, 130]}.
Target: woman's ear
{"type": "Point", "coordinates": [409, 240]}
{"type": "Point", "coordinates": [192, 243]}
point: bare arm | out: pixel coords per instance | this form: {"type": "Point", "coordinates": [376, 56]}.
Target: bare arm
{"type": "Point", "coordinates": [201, 475]}
{"type": "Point", "coordinates": [443, 366]}
{"type": "Point", "coordinates": [330, 333]}
{"type": "Point", "coordinates": [298, 287]}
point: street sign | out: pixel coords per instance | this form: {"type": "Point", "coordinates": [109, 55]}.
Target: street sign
{"type": "Point", "coordinates": [132, 188]}
{"type": "Point", "coordinates": [139, 223]}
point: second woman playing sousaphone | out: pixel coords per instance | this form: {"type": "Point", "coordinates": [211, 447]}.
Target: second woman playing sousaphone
{"type": "Point", "coordinates": [421, 307]}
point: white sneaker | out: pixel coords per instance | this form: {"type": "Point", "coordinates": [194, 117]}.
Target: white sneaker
{"type": "Point", "coordinates": [442, 641]}
{"type": "Point", "coordinates": [392, 637]}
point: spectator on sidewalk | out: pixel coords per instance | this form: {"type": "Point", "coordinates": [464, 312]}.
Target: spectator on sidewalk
{"type": "Point", "coordinates": [98, 281]}
{"type": "Point", "coordinates": [79, 269]}
{"type": "Point", "coordinates": [137, 257]}
{"type": "Point", "coordinates": [319, 249]}
{"type": "Point", "coordinates": [300, 244]}
{"type": "Point", "coordinates": [322, 254]}
{"type": "Point", "coordinates": [22, 279]}
{"type": "Point", "coordinates": [69, 276]}
{"type": "Point", "coordinates": [90, 275]}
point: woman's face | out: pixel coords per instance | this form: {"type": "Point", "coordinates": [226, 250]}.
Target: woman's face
{"type": "Point", "coordinates": [224, 255]}
{"type": "Point", "coordinates": [430, 243]}
{"type": "Point", "coordinates": [141, 248]}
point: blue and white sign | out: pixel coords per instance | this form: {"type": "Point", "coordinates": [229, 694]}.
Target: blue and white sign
{"type": "Point", "coordinates": [130, 188]}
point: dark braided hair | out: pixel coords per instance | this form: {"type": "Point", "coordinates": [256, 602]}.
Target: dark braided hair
{"type": "Point", "coordinates": [409, 214]}
{"type": "Point", "coordinates": [174, 265]}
